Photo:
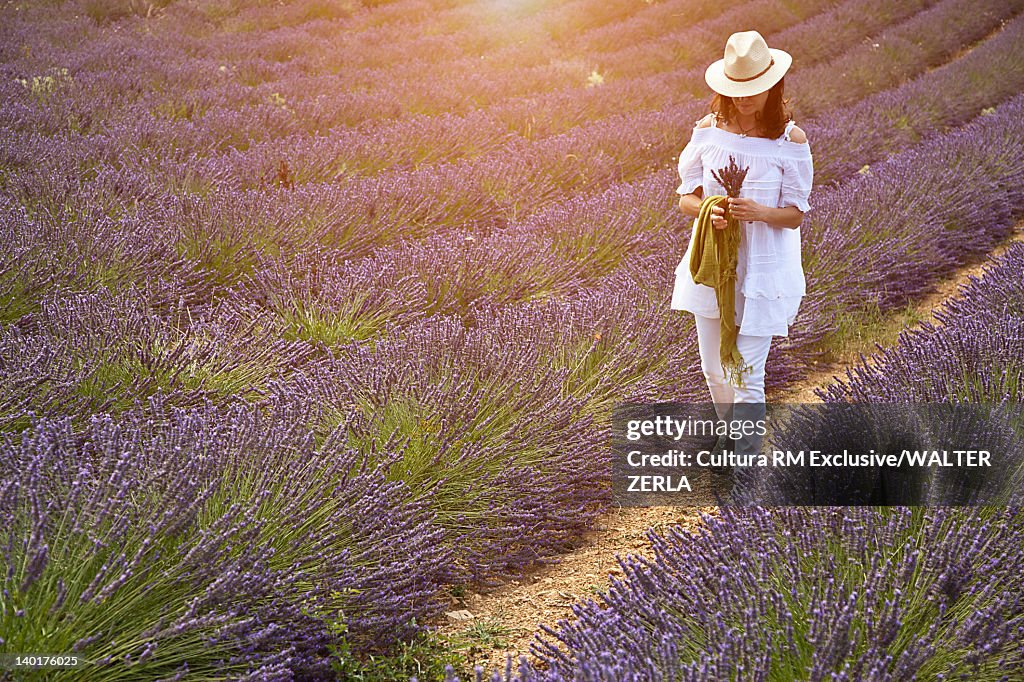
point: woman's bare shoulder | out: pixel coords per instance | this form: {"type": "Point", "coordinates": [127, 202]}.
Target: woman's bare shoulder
{"type": "Point", "coordinates": [797, 135]}
{"type": "Point", "coordinates": [706, 121]}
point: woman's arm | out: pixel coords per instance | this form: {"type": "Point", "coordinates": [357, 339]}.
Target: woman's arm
{"type": "Point", "coordinates": [789, 217]}
{"type": "Point", "coordinates": [689, 204]}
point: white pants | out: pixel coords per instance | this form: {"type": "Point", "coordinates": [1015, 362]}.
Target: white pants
{"type": "Point", "coordinates": [754, 350]}
{"type": "Point", "coordinates": [750, 398]}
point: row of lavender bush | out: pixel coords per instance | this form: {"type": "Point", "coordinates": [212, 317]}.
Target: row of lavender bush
{"type": "Point", "coordinates": [343, 142]}
{"type": "Point", "coordinates": [300, 63]}
{"type": "Point", "coordinates": [557, 251]}
{"type": "Point", "coordinates": [973, 352]}
{"type": "Point", "coordinates": [220, 543]}
{"type": "Point", "coordinates": [498, 189]}
{"type": "Point", "coordinates": [158, 132]}
{"type": "Point", "coordinates": [515, 122]}
{"type": "Point", "coordinates": [224, 234]}
{"type": "Point", "coordinates": [592, 121]}
{"type": "Point", "coordinates": [815, 593]}
{"type": "Point", "coordinates": [346, 155]}
{"type": "Point", "coordinates": [233, 125]}
{"type": "Point", "coordinates": [517, 118]}
{"type": "Point", "coordinates": [130, 247]}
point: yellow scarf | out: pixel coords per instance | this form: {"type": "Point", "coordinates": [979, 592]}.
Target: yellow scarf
{"type": "Point", "coordinates": [713, 263]}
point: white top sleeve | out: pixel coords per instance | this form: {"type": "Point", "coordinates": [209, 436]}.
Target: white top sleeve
{"type": "Point", "coordinates": [691, 171]}
{"type": "Point", "coordinates": [797, 179]}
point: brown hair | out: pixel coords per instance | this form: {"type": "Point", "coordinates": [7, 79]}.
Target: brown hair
{"type": "Point", "coordinates": [775, 114]}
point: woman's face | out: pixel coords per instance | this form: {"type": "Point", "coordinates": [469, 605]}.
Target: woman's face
{"type": "Point", "coordinates": [748, 106]}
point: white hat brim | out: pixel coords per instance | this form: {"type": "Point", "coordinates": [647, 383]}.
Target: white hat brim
{"type": "Point", "coordinates": [720, 83]}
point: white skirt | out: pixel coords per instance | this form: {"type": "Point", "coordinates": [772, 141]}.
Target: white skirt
{"type": "Point", "coordinates": [759, 312]}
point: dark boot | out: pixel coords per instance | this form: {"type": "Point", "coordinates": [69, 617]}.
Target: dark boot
{"type": "Point", "coordinates": [722, 445]}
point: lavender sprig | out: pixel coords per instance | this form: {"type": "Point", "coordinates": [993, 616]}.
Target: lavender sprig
{"type": "Point", "coordinates": [731, 178]}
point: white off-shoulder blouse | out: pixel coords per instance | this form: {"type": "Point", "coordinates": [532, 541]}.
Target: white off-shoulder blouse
{"type": "Point", "coordinates": [769, 274]}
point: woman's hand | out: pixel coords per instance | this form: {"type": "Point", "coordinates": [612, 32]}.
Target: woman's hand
{"type": "Point", "coordinates": [743, 208]}
{"type": "Point", "coordinates": [718, 220]}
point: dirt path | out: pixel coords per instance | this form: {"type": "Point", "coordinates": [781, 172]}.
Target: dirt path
{"type": "Point", "coordinates": [504, 621]}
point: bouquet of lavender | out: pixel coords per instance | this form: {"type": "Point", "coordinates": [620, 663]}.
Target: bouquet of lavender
{"type": "Point", "coordinates": [731, 178]}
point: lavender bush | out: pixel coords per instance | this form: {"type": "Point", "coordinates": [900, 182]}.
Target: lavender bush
{"type": "Point", "coordinates": [813, 593]}
{"type": "Point", "coordinates": [510, 457]}
{"type": "Point", "coordinates": [84, 353]}
{"type": "Point", "coordinates": [214, 542]}
{"type": "Point", "coordinates": [971, 357]}
{"type": "Point", "coordinates": [973, 353]}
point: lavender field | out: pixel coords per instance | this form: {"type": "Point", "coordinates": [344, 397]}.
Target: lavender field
{"type": "Point", "coordinates": [313, 313]}
{"type": "Point", "coordinates": [831, 592]}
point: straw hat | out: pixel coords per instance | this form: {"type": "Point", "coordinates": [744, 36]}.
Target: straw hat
{"type": "Point", "coordinates": [749, 67]}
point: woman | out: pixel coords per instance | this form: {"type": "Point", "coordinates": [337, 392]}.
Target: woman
{"type": "Point", "coordinates": [750, 122]}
